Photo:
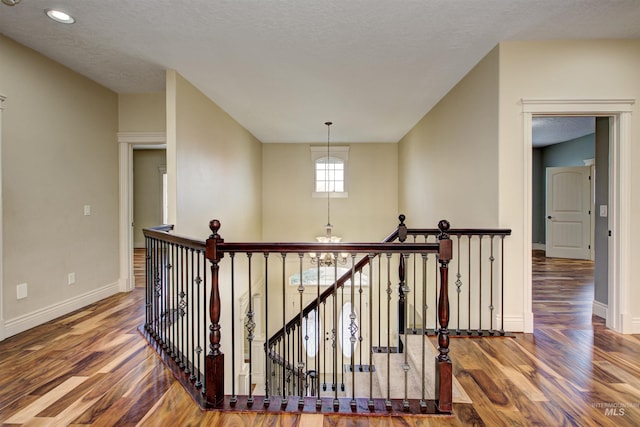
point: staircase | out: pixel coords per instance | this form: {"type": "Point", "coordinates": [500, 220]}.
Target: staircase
{"type": "Point", "coordinates": [394, 363]}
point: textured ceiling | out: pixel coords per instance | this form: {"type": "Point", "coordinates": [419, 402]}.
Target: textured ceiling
{"type": "Point", "coordinates": [283, 68]}
{"type": "Point", "coordinates": [552, 130]}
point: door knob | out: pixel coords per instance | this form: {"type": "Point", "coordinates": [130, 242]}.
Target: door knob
{"type": "Point", "coordinates": [549, 217]}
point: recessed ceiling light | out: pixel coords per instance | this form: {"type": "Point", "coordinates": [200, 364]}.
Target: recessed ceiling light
{"type": "Point", "coordinates": [59, 16]}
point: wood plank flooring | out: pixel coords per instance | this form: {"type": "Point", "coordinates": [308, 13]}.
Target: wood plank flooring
{"type": "Point", "coordinates": [92, 368]}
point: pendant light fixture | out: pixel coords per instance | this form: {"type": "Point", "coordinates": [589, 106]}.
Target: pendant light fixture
{"type": "Point", "coordinates": [328, 259]}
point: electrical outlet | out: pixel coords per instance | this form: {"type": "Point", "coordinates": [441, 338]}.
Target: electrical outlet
{"type": "Point", "coordinates": [87, 210]}
{"type": "Point", "coordinates": [21, 291]}
{"type": "Point", "coordinates": [72, 278]}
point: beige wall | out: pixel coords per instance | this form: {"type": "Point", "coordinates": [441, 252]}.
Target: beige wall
{"type": "Point", "coordinates": [147, 191]}
{"type": "Point", "coordinates": [142, 112]}
{"type": "Point", "coordinates": [215, 165]}
{"type": "Point", "coordinates": [448, 162]}
{"type": "Point", "coordinates": [290, 213]}
{"type": "Point", "coordinates": [594, 69]}
{"type": "Point", "coordinates": [59, 153]}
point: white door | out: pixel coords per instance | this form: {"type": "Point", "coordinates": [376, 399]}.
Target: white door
{"type": "Point", "coordinates": [568, 230]}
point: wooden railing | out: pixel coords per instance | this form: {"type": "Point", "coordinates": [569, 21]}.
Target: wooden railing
{"type": "Point", "coordinates": [185, 315]}
{"type": "Point", "coordinates": [477, 306]}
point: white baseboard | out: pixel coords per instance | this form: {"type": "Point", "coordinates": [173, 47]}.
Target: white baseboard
{"type": "Point", "coordinates": [30, 320]}
{"type": "Point", "coordinates": [125, 284]}
{"type": "Point", "coordinates": [629, 324]}
{"type": "Point", "coordinates": [513, 323]}
{"type": "Point", "coordinates": [2, 330]}
{"type": "Point", "coordinates": [538, 246]}
{"type": "Point", "coordinates": [599, 309]}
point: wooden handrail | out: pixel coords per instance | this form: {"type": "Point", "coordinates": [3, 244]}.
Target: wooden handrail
{"type": "Point", "coordinates": [460, 231]}
{"type": "Point", "coordinates": [162, 233]}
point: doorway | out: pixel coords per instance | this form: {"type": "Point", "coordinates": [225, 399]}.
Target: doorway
{"type": "Point", "coordinates": [127, 141]}
{"type": "Point", "coordinates": [619, 111]}
{"type": "Point", "coordinates": [564, 151]}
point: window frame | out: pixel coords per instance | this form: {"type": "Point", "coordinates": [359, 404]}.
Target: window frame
{"type": "Point", "coordinates": [340, 153]}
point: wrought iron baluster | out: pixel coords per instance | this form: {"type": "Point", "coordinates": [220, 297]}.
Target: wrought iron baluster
{"type": "Point", "coordinates": [469, 280]}
{"type": "Point", "coordinates": [267, 400]}
{"type": "Point", "coordinates": [341, 370]}
{"type": "Point", "coordinates": [301, 365]}
{"type": "Point", "coordinates": [336, 402]}
{"type": "Point", "coordinates": [250, 325]}
{"type": "Point", "coordinates": [182, 308]}
{"type": "Point", "coordinates": [425, 279]}
{"type": "Point", "coordinates": [286, 364]}
{"type": "Point", "coordinates": [234, 399]}
{"type": "Point", "coordinates": [324, 359]}
{"type": "Point", "coordinates": [147, 282]}
{"type": "Point", "coordinates": [168, 297]}
{"type": "Point", "coordinates": [389, 292]}
{"type": "Point", "coordinates": [405, 366]}
{"type": "Point", "coordinates": [151, 286]}
{"type": "Point", "coordinates": [286, 343]}
{"type": "Point", "coordinates": [379, 300]}
{"type": "Point", "coordinates": [370, 401]}
{"type": "Point", "coordinates": [353, 329]}
{"type": "Point", "coordinates": [480, 284]}
{"type": "Point", "coordinates": [172, 314]}
{"type": "Point", "coordinates": [491, 259]}
{"type": "Point", "coordinates": [414, 284]}
{"type": "Point", "coordinates": [423, 401]}
{"type": "Point", "coordinates": [320, 344]}
{"type": "Point", "coordinates": [191, 318]}
{"type": "Point", "coordinates": [502, 286]}
{"type": "Point", "coordinates": [360, 339]}
{"type": "Point", "coordinates": [199, 281]}
{"type": "Point", "coordinates": [458, 284]}
{"type": "Point", "coordinates": [160, 291]}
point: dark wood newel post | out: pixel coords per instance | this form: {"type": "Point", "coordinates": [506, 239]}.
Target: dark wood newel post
{"type": "Point", "coordinates": [443, 362]}
{"type": "Point", "coordinates": [402, 295]}
{"type": "Point", "coordinates": [214, 363]}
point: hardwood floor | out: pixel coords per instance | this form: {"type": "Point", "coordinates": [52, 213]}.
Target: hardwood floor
{"type": "Point", "coordinates": [93, 368]}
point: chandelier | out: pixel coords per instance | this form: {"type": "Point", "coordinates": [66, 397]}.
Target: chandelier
{"type": "Point", "coordinates": [328, 259]}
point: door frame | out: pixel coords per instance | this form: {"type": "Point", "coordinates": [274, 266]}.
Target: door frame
{"type": "Point", "coordinates": [619, 317]}
{"type": "Point", "coordinates": [127, 141]}
{"type": "Point", "coordinates": [2, 328]}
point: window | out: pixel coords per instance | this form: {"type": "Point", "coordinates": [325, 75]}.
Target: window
{"type": "Point", "coordinates": [330, 172]}
{"type": "Point", "coordinates": [329, 175]}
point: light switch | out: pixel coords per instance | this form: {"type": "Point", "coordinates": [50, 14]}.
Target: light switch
{"type": "Point", "coordinates": [603, 210]}
{"type": "Point", "coordinates": [87, 210]}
